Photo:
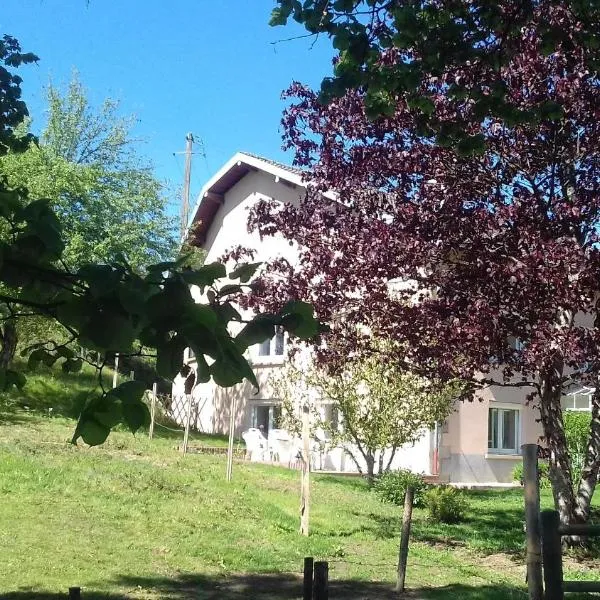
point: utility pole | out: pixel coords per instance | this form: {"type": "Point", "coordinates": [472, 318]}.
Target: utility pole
{"type": "Point", "coordinates": [185, 199]}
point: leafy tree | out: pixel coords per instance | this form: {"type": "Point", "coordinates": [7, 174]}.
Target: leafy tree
{"type": "Point", "coordinates": [381, 407]}
{"type": "Point", "coordinates": [109, 307]}
{"type": "Point", "coordinates": [105, 196]}
{"type": "Point", "coordinates": [488, 210]}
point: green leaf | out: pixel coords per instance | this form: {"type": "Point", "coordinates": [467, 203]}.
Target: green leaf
{"type": "Point", "coordinates": [279, 16]}
{"type": "Point", "coordinates": [205, 275]}
{"type": "Point", "coordinates": [202, 370]}
{"type": "Point", "coordinates": [72, 366]}
{"type": "Point", "coordinates": [101, 279]}
{"type": "Point", "coordinates": [198, 315]}
{"type": "Point", "coordinates": [110, 331]}
{"type": "Point", "coordinates": [109, 412]}
{"type": "Point", "coordinates": [298, 318]}
{"type": "Point", "coordinates": [136, 415]}
{"type": "Point", "coordinates": [129, 391]}
{"type": "Point", "coordinates": [91, 432]}
{"type": "Point", "coordinates": [261, 328]}
{"type": "Point", "coordinates": [245, 271]}
{"type": "Point", "coordinates": [169, 357]}
{"type": "Point", "coordinates": [230, 289]}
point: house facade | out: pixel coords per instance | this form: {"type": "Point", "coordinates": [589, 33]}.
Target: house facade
{"type": "Point", "coordinates": [479, 444]}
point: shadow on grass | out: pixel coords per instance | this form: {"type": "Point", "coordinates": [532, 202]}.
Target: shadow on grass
{"type": "Point", "coordinates": [272, 587]}
{"type": "Point", "coordinates": [489, 530]}
{"type": "Point", "coordinates": [349, 482]}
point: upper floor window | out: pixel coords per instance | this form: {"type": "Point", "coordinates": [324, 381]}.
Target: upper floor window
{"type": "Point", "coordinates": [273, 347]}
{"type": "Point", "coordinates": [503, 430]}
{"type": "Point", "coordinates": [580, 400]}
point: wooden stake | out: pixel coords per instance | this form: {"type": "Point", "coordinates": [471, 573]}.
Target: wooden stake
{"type": "Point", "coordinates": [152, 411]}
{"type": "Point", "coordinates": [552, 552]}
{"type": "Point", "coordinates": [404, 537]}
{"type": "Point", "coordinates": [116, 371]}
{"type": "Point", "coordinates": [321, 586]}
{"type": "Point", "coordinates": [532, 521]}
{"type": "Point", "coordinates": [305, 485]}
{"type": "Point", "coordinates": [230, 441]}
{"type": "Point", "coordinates": [188, 419]}
{"type": "Point", "coordinates": [307, 589]}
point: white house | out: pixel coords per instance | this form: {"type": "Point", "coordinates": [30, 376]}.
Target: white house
{"type": "Point", "coordinates": [478, 444]}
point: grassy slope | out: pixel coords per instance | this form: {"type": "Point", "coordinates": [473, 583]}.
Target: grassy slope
{"type": "Point", "coordinates": [137, 520]}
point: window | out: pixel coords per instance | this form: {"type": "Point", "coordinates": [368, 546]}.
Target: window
{"type": "Point", "coordinates": [273, 347]}
{"type": "Point", "coordinates": [266, 417]}
{"type": "Point", "coordinates": [503, 430]}
{"type": "Point", "coordinates": [580, 400]}
{"type": "Point", "coordinates": [331, 415]}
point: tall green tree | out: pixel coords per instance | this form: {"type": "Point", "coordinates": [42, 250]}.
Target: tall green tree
{"type": "Point", "coordinates": [107, 198]}
{"type": "Point", "coordinates": [105, 195]}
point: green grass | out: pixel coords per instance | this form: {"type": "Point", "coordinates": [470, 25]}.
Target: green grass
{"type": "Point", "coordinates": [135, 519]}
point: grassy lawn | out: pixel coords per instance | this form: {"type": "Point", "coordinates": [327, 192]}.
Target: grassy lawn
{"type": "Point", "coordinates": [135, 519]}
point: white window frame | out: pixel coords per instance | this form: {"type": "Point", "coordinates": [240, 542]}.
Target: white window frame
{"type": "Point", "coordinates": [585, 391]}
{"type": "Point", "coordinates": [271, 357]}
{"type": "Point", "coordinates": [502, 407]}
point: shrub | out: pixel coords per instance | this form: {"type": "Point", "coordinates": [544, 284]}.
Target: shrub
{"type": "Point", "coordinates": [446, 504]}
{"type": "Point", "coordinates": [543, 471]}
{"type": "Point", "coordinates": [577, 430]}
{"type": "Point", "coordinates": [391, 487]}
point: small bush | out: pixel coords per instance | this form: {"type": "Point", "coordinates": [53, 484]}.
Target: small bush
{"type": "Point", "coordinates": [543, 471]}
{"type": "Point", "coordinates": [391, 487]}
{"type": "Point", "coordinates": [446, 504]}
{"type": "Point", "coordinates": [577, 431]}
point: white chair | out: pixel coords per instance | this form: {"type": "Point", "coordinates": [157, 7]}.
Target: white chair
{"type": "Point", "coordinates": [256, 444]}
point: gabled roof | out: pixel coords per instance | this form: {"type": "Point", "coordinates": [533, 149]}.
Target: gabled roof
{"type": "Point", "coordinates": [212, 194]}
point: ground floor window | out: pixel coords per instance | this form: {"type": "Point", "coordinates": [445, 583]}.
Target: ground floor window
{"type": "Point", "coordinates": [503, 430]}
{"type": "Point", "coordinates": [266, 417]}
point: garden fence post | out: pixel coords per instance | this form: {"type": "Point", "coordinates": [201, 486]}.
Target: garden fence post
{"type": "Point", "coordinates": [188, 418]}
{"type": "Point", "coordinates": [305, 484]}
{"type": "Point", "coordinates": [531, 484]}
{"type": "Point", "coordinates": [74, 593]}
{"type": "Point", "coordinates": [321, 583]}
{"type": "Point", "coordinates": [552, 554]}
{"type": "Point", "coordinates": [116, 371]}
{"type": "Point", "coordinates": [232, 409]}
{"type": "Point", "coordinates": [152, 411]}
{"type": "Point", "coordinates": [404, 537]}
{"type": "Point", "coordinates": [307, 588]}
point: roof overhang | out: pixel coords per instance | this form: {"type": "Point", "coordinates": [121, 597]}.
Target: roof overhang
{"type": "Point", "coordinates": [213, 193]}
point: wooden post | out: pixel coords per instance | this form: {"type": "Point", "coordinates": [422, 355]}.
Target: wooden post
{"type": "Point", "coordinates": [531, 484]}
{"type": "Point", "coordinates": [74, 593]}
{"type": "Point", "coordinates": [116, 371]}
{"type": "Point", "coordinates": [307, 588]}
{"type": "Point", "coordinates": [152, 411]}
{"type": "Point", "coordinates": [552, 553]}
{"type": "Point", "coordinates": [404, 537]}
{"type": "Point", "coordinates": [188, 419]}
{"type": "Point", "coordinates": [321, 583]}
{"type": "Point", "coordinates": [230, 440]}
{"type": "Point", "coordinates": [305, 485]}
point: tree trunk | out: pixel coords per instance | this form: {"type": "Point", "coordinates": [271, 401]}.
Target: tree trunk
{"type": "Point", "coordinates": [370, 460]}
{"type": "Point", "coordinates": [8, 339]}
{"type": "Point", "coordinates": [560, 473]}
{"type": "Point", "coordinates": [591, 467]}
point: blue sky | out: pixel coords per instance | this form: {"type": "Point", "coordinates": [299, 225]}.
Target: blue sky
{"type": "Point", "coordinates": [205, 66]}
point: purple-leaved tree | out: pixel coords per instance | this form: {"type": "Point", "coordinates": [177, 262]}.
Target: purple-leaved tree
{"type": "Point", "coordinates": [478, 184]}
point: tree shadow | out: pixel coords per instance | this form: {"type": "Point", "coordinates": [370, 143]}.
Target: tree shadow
{"type": "Point", "coordinates": [271, 587]}
{"type": "Point", "coordinates": [349, 482]}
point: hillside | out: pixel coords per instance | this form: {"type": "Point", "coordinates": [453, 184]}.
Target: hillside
{"type": "Point", "coordinates": [135, 519]}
